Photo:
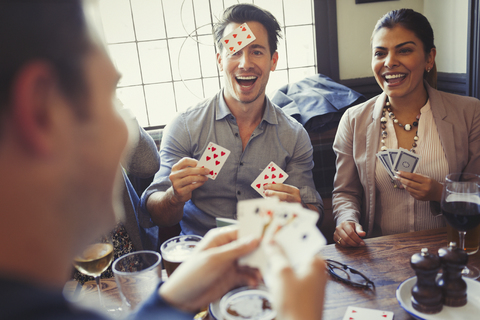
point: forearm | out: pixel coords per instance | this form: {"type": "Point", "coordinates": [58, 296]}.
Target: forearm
{"type": "Point", "coordinates": [164, 208]}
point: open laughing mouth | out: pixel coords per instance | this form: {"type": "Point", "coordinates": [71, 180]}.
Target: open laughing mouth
{"type": "Point", "coordinates": [394, 78]}
{"type": "Point", "coordinates": [246, 81]}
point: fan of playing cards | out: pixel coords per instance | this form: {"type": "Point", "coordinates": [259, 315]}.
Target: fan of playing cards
{"type": "Point", "coordinates": [398, 160]}
{"type": "Point", "coordinates": [290, 225]}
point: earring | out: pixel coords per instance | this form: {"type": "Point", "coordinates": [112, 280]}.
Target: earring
{"type": "Point", "coordinates": [428, 70]}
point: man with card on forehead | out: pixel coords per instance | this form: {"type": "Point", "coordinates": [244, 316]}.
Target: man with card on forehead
{"type": "Point", "coordinates": [238, 131]}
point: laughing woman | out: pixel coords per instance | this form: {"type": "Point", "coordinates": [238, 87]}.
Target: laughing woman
{"type": "Point", "coordinates": [442, 128]}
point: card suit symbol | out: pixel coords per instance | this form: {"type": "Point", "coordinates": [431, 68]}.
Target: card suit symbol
{"type": "Point", "coordinates": [305, 236]}
{"type": "Point", "coordinates": [265, 183]}
{"type": "Point", "coordinates": [239, 43]}
{"type": "Point", "coordinates": [384, 315]}
{"type": "Point", "coordinates": [351, 318]}
{"type": "Point", "coordinates": [222, 153]}
{"type": "Point", "coordinates": [280, 175]}
{"type": "Point", "coordinates": [353, 311]}
{"type": "Point", "coordinates": [215, 156]}
{"type": "Point", "coordinates": [244, 29]}
{"type": "Point", "coordinates": [266, 177]}
{"type": "Point", "coordinates": [273, 169]}
{"type": "Point", "coordinates": [273, 176]}
{"type": "Point", "coordinates": [217, 162]}
{"type": "Point", "coordinates": [258, 186]}
{"type": "Point", "coordinates": [231, 48]}
{"type": "Point", "coordinates": [249, 36]}
{"type": "Point", "coordinates": [213, 148]}
{"type": "Point", "coordinates": [273, 182]}
{"type": "Point", "coordinates": [234, 35]}
{"type": "Point", "coordinates": [211, 172]}
{"type": "Point", "coordinates": [226, 41]}
{"type": "Point", "coordinates": [269, 213]}
{"type": "Point", "coordinates": [208, 158]}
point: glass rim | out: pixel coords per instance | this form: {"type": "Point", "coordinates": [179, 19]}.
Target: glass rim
{"type": "Point", "coordinates": [449, 177]}
{"type": "Point", "coordinates": [181, 236]}
{"type": "Point", "coordinates": [159, 261]}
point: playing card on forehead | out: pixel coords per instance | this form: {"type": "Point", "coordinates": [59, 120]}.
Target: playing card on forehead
{"type": "Point", "coordinates": [271, 174]}
{"type": "Point", "coordinates": [213, 158]}
{"type": "Point", "coordinates": [238, 39]}
{"type": "Point", "coordinates": [406, 161]}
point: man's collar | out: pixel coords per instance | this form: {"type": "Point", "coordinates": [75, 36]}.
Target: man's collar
{"type": "Point", "coordinates": [223, 111]}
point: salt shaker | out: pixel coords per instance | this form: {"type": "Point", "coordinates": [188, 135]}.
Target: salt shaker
{"type": "Point", "coordinates": [426, 295]}
{"type": "Point", "coordinates": [454, 288]}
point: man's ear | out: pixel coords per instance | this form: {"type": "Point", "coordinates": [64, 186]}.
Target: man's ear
{"type": "Point", "coordinates": [32, 96]}
{"type": "Point", "coordinates": [219, 62]}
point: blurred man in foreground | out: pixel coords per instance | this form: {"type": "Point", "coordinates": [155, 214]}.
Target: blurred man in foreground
{"type": "Point", "coordinates": [61, 140]}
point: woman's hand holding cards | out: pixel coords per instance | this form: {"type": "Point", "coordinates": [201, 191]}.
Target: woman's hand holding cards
{"type": "Point", "coordinates": [420, 186]}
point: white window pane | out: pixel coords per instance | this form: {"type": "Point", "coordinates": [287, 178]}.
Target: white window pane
{"type": "Point", "coordinates": [134, 99]}
{"type": "Point", "coordinates": [185, 58]}
{"type": "Point", "coordinates": [300, 48]}
{"type": "Point", "coordinates": [277, 79]}
{"type": "Point", "coordinates": [211, 86]}
{"type": "Point", "coordinates": [160, 103]}
{"type": "Point", "coordinates": [148, 19]}
{"type": "Point", "coordinates": [300, 73]}
{"type": "Point", "coordinates": [282, 54]}
{"type": "Point", "coordinates": [155, 61]}
{"type": "Point", "coordinates": [208, 60]}
{"type": "Point", "coordinates": [174, 18]}
{"type": "Point", "coordinates": [275, 8]}
{"type": "Point", "coordinates": [298, 12]}
{"type": "Point", "coordinates": [188, 93]}
{"type": "Point", "coordinates": [117, 20]}
{"type": "Point", "coordinates": [202, 15]}
{"type": "Point", "coordinates": [125, 58]}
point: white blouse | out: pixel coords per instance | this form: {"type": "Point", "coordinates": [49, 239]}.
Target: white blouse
{"type": "Point", "coordinates": [396, 210]}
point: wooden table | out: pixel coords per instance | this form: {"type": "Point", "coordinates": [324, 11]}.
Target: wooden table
{"type": "Point", "coordinates": [385, 261]}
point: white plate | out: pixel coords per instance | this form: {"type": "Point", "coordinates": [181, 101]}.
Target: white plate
{"type": "Point", "coordinates": [469, 311]}
{"type": "Point", "coordinates": [214, 309]}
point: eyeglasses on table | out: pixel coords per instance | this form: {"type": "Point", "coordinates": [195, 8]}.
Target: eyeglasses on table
{"type": "Point", "coordinates": [348, 275]}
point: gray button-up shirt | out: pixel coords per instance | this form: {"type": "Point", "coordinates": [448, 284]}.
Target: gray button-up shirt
{"type": "Point", "coordinates": [278, 138]}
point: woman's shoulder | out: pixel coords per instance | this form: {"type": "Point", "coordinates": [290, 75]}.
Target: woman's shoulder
{"type": "Point", "coordinates": [457, 100]}
{"type": "Point", "coordinates": [364, 109]}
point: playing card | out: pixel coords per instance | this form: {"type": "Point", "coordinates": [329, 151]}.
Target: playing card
{"type": "Point", "coordinates": [392, 156]}
{"type": "Point", "coordinates": [383, 157]}
{"type": "Point", "coordinates": [356, 313]}
{"type": "Point", "coordinates": [271, 174]}
{"type": "Point", "coordinates": [213, 158]}
{"type": "Point", "coordinates": [238, 39]}
{"type": "Point", "coordinates": [406, 161]}
{"type": "Point", "coordinates": [223, 222]}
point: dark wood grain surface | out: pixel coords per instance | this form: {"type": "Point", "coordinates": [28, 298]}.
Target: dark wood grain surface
{"type": "Point", "coordinates": [384, 260]}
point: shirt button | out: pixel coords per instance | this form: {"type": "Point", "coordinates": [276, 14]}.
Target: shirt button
{"type": "Point", "coordinates": [236, 134]}
{"type": "Point", "coordinates": [238, 192]}
{"type": "Point", "coordinates": [241, 163]}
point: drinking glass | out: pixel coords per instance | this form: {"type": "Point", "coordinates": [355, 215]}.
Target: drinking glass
{"type": "Point", "coordinates": [461, 208]}
{"type": "Point", "coordinates": [94, 260]}
{"type": "Point", "coordinates": [137, 275]}
{"type": "Point", "coordinates": [176, 250]}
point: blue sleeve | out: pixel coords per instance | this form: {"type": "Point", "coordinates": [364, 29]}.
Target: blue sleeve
{"type": "Point", "coordinates": [157, 308]}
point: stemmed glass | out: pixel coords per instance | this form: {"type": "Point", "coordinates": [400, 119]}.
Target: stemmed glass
{"type": "Point", "coordinates": [94, 260]}
{"type": "Point", "coordinates": [461, 208]}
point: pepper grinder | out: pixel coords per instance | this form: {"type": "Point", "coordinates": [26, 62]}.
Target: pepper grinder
{"type": "Point", "coordinates": [426, 295]}
{"type": "Point", "coordinates": [454, 288]}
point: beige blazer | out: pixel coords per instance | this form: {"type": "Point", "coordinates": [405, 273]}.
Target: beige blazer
{"type": "Point", "coordinates": [458, 122]}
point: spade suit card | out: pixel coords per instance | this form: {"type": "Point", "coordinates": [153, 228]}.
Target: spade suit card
{"type": "Point", "coordinates": [213, 158]}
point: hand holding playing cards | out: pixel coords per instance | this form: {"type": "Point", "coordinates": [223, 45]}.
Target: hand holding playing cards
{"type": "Point", "coordinates": [186, 177]}
{"type": "Point", "coordinates": [420, 186]}
{"type": "Point", "coordinates": [348, 234]}
{"type": "Point", "coordinates": [297, 297]}
{"type": "Point", "coordinates": [211, 271]}
{"type": "Point", "coordinates": [284, 192]}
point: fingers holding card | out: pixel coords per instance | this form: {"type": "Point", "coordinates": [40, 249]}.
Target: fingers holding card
{"type": "Point", "coordinates": [213, 158]}
{"type": "Point", "coordinates": [271, 174]}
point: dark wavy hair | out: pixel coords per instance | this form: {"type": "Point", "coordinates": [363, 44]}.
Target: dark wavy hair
{"type": "Point", "coordinates": [419, 25]}
{"type": "Point", "coordinates": [44, 30]}
{"type": "Point", "coordinates": [244, 12]}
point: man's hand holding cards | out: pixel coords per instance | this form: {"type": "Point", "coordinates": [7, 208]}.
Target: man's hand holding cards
{"type": "Point", "coordinates": [292, 227]}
